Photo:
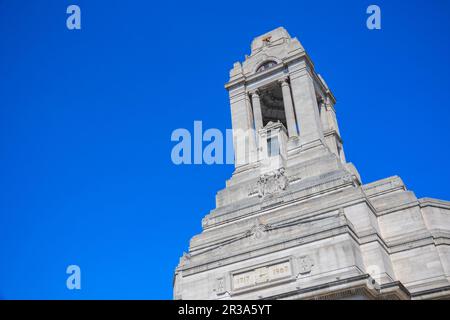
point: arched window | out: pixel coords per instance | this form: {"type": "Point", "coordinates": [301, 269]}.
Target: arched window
{"type": "Point", "coordinates": [266, 65]}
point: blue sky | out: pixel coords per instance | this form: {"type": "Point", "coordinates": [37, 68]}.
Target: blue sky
{"type": "Point", "coordinates": [86, 117]}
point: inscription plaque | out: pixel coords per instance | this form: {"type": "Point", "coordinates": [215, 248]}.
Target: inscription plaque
{"type": "Point", "coordinates": [262, 275]}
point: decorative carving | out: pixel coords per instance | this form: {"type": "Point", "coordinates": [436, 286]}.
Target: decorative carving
{"type": "Point", "coordinates": [328, 103]}
{"type": "Point", "coordinates": [261, 275]}
{"type": "Point", "coordinates": [305, 264]}
{"type": "Point", "coordinates": [272, 183]}
{"type": "Point", "coordinates": [284, 81]}
{"type": "Point", "coordinates": [259, 230]}
{"type": "Point", "coordinates": [266, 40]}
{"type": "Point", "coordinates": [321, 102]}
{"type": "Point", "coordinates": [220, 286]}
{"type": "Point", "coordinates": [254, 93]}
{"type": "Point", "coordinates": [266, 65]}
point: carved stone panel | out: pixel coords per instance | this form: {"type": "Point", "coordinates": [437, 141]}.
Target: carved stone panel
{"type": "Point", "coordinates": [272, 183]}
{"type": "Point", "coordinates": [261, 275]}
{"type": "Point", "coordinates": [305, 264]}
{"type": "Point", "coordinates": [220, 286]}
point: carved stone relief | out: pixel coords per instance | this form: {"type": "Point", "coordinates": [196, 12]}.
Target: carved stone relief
{"type": "Point", "coordinates": [220, 286]}
{"type": "Point", "coordinates": [272, 183]}
{"type": "Point", "coordinates": [305, 264]}
{"type": "Point", "coordinates": [259, 230]}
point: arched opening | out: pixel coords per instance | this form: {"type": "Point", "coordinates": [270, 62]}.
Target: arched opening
{"type": "Point", "coordinates": [266, 65]}
{"type": "Point", "coordinates": [272, 105]}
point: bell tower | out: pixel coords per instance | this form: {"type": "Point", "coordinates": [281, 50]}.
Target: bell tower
{"type": "Point", "coordinates": [277, 83]}
{"type": "Point", "coordinates": [280, 105]}
{"type": "Point", "coordinates": [295, 221]}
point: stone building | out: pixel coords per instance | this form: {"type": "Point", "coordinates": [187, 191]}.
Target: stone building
{"type": "Point", "coordinates": [295, 220]}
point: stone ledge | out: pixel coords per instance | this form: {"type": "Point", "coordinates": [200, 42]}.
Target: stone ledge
{"type": "Point", "coordinates": [384, 186]}
{"type": "Point", "coordinates": [436, 293]}
{"type": "Point", "coordinates": [266, 248]}
{"type": "Point", "coordinates": [297, 194]}
{"type": "Point", "coordinates": [430, 202]}
{"type": "Point", "coordinates": [347, 288]}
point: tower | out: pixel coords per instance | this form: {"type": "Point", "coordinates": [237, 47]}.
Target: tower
{"type": "Point", "coordinates": [295, 220]}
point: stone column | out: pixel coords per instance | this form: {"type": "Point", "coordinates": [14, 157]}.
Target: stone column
{"type": "Point", "coordinates": [289, 108]}
{"type": "Point", "coordinates": [243, 134]}
{"type": "Point", "coordinates": [332, 115]}
{"type": "Point", "coordinates": [305, 103]}
{"type": "Point", "coordinates": [323, 115]}
{"type": "Point", "coordinates": [257, 113]}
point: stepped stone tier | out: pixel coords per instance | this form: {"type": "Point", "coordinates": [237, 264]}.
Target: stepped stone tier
{"type": "Point", "coordinates": [295, 221]}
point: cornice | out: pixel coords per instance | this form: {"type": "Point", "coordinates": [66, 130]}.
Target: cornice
{"type": "Point", "coordinates": [264, 248]}
{"type": "Point", "coordinates": [244, 79]}
{"type": "Point", "coordinates": [430, 202]}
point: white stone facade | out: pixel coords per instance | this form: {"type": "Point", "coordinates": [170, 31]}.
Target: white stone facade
{"type": "Point", "coordinates": [296, 222]}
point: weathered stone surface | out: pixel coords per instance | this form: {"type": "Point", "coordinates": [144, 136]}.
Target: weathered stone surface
{"type": "Point", "coordinates": [300, 224]}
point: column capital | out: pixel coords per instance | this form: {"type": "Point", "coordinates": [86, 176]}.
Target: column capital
{"type": "Point", "coordinates": [284, 81]}
{"type": "Point", "coordinates": [322, 102]}
{"type": "Point", "coordinates": [257, 113]}
{"type": "Point", "coordinates": [328, 102]}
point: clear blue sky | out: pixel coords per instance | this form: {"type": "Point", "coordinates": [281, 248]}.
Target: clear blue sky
{"type": "Point", "coordinates": [86, 117]}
